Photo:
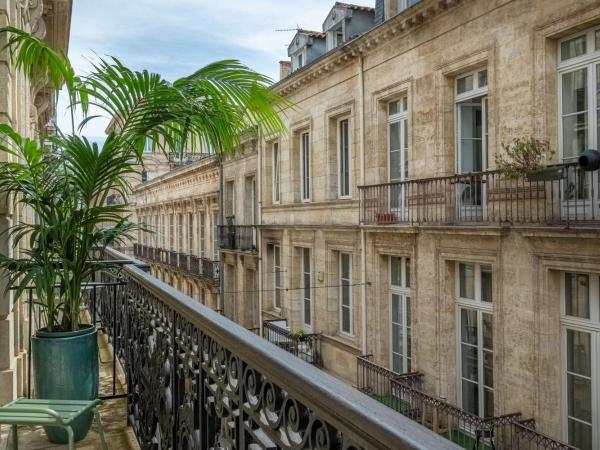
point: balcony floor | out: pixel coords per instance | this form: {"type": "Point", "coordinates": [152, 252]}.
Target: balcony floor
{"type": "Point", "coordinates": [114, 417]}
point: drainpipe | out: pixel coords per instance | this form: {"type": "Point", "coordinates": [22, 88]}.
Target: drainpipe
{"type": "Point", "coordinates": [363, 238]}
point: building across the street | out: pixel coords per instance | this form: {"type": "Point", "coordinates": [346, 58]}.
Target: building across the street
{"type": "Point", "coordinates": [379, 238]}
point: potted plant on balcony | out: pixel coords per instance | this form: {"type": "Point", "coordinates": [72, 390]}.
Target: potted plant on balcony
{"type": "Point", "coordinates": [66, 181]}
{"type": "Point", "coordinates": [525, 158]}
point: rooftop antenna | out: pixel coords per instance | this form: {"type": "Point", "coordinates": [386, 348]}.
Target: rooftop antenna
{"type": "Point", "coordinates": [290, 29]}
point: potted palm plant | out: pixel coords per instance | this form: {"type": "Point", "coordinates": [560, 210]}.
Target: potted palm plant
{"type": "Point", "coordinates": [67, 181]}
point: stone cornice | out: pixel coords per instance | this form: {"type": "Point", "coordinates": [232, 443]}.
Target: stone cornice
{"type": "Point", "coordinates": [402, 23]}
{"type": "Point", "coordinates": [177, 174]}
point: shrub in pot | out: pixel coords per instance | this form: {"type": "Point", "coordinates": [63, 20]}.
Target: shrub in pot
{"type": "Point", "coordinates": [67, 182]}
{"type": "Point", "coordinates": [524, 158]}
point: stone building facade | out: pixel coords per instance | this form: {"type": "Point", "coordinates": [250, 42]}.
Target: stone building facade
{"type": "Point", "coordinates": [28, 109]}
{"type": "Point", "coordinates": [181, 211]}
{"type": "Point", "coordinates": [375, 233]}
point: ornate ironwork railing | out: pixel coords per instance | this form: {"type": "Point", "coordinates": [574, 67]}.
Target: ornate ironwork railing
{"type": "Point", "coordinates": [190, 264]}
{"type": "Point", "coordinates": [196, 380]}
{"type": "Point", "coordinates": [305, 346]}
{"type": "Point", "coordinates": [557, 195]}
{"type": "Point", "coordinates": [402, 392]}
{"type": "Point", "coordinates": [238, 237]}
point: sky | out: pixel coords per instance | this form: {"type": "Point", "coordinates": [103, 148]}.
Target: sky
{"type": "Point", "coordinates": [177, 37]}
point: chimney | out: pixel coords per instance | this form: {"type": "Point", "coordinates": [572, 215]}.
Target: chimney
{"type": "Point", "coordinates": [285, 69]}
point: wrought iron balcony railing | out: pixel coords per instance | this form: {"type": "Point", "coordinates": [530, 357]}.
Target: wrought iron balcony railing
{"type": "Point", "coordinates": [192, 265]}
{"type": "Point", "coordinates": [557, 195]}
{"type": "Point", "coordinates": [305, 346]}
{"type": "Point", "coordinates": [238, 237]}
{"type": "Point", "coordinates": [403, 393]}
{"type": "Point", "coordinates": [198, 380]}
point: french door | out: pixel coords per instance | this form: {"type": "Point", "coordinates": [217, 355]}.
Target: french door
{"type": "Point", "coordinates": [472, 158]}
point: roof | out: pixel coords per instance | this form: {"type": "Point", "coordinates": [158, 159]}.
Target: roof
{"type": "Point", "coordinates": [355, 7]}
{"type": "Point", "coordinates": [315, 34]}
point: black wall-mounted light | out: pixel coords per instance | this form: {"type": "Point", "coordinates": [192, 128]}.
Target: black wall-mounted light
{"type": "Point", "coordinates": [589, 160]}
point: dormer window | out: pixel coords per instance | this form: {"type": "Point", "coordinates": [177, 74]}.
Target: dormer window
{"type": "Point", "coordinates": [338, 37]}
{"type": "Point", "coordinates": [300, 61]}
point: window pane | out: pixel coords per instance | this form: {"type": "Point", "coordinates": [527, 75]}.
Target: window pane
{"type": "Point", "coordinates": [346, 295]}
{"type": "Point", "coordinates": [468, 326]}
{"type": "Point", "coordinates": [578, 353]}
{"type": "Point", "coordinates": [395, 166]}
{"type": "Point", "coordinates": [597, 96]}
{"type": "Point", "coordinates": [574, 135]}
{"type": "Point", "coordinates": [345, 266]}
{"type": "Point", "coordinates": [483, 80]}
{"type": "Point", "coordinates": [597, 39]}
{"type": "Point", "coordinates": [579, 393]}
{"type": "Point", "coordinates": [577, 295]}
{"type": "Point", "coordinates": [488, 403]}
{"type": "Point", "coordinates": [469, 362]}
{"type": "Point", "coordinates": [396, 338]}
{"type": "Point", "coordinates": [574, 91]}
{"type": "Point", "coordinates": [488, 369]}
{"type": "Point", "coordinates": [467, 280]}
{"type": "Point", "coordinates": [486, 283]}
{"type": "Point", "coordinates": [407, 271]}
{"type": "Point", "coordinates": [470, 397]}
{"type": "Point", "coordinates": [487, 331]}
{"type": "Point", "coordinates": [396, 269]}
{"type": "Point", "coordinates": [573, 48]}
{"type": "Point", "coordinates": [396, 310]}
{"type": "Point", "coordinates": [464, 84]}
{"type": "Point", "coordinates": [580, 435]}
{"type": "Point", "coordinates": [307, 312]}
{"type": "Point", "coordinates": [393, 108]}
{"type": "Point", "coordinates": [346, 320]}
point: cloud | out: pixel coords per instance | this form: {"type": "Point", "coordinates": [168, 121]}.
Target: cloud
{"type": "Point", "coordinates": [175, 37]}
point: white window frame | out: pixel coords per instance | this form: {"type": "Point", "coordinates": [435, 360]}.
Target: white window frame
{"type": "Point", "coordinates": [403, 291]}
{"type": "Point", "coordinates": [305, 167]}
{"type": "Point", "coordinates": [476, 92]}
{"type": "Point", "coordinates": [350, 306]}
{"type": "Point", "coordinates": [190, 232]}
{"type": "Point", "coordinates": [592, 327]}
{"type": "Point", "coordinates": [590, 61]}
{"type": "Point", "coordinates": [344, 191]}
{"type": "Point", "coordinates": [276, 166]}
{"type": "Point", "coordinates": [276, 277]}
{"type": "Point", "coordinates": [215, 235]}
{"type": "Point", "coordinates": [401, 117]}
{"type": "Point", "coordinates": [201, 234]}
{"type": "Point", "coordinates": [180, 240]}
{"type": "Point", "coordinates": [172, 232]}
{"type": "Point", "coordinates": [481, 307]}
{"type": "Point", "coordinates": [307, 324]}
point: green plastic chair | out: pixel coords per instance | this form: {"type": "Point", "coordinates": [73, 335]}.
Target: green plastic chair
{"type": "Point", "coordinates": [59, 413]}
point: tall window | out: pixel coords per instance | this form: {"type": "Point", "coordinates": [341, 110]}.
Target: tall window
{"type": "Point", "coordinates": [579, 94]}
{"type": "Point", "coordinates": [215, 235]}
{"type": "Point", "coordinates": [476, 344]}
{"type": "Point", "coordinates": [172, 232]}
{"type": "Point", "coordinates": [190, 233]}
{"type": "Point", "coordinates": [471, 127]}
{"type": "Point", "coordinates": [305, 280]}
{"type": "Point", "coordinates": [305, 165]}
{"type": "Point", "coordinates": [344, 159]}
{"type": "Point", "coordinates": [398, 139]}
{"type": "Point", "coordinates": [345, 293]}
{"type": "Point", "coordinates": [180, 230]}
{"type": "Point", "coordinates": [277, 276]}
{"type": "Point", "coordinates": [300, 61]}
{"type": "Point", "coordinates": [400, 315]}
{"type": "Point", "coordinates": [580, 320]}
{"type": "Point", "coordinates": [163, 231]}
{"type": "Point", "coordinates": [276, 173]}
{"type": "Point", "coordinates": [201, 234]}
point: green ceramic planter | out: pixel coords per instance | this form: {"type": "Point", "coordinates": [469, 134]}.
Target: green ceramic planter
{"type": "Point", "coordinates": [65, 366]}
